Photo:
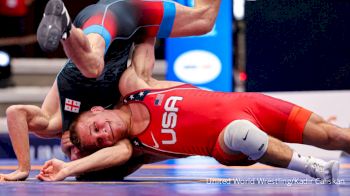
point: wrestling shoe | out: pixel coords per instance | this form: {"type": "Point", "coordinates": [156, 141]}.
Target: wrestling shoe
{"type": "Point", "coordinates": [327, 171]}
{"type": "Point", "coordinates": [54, 26]}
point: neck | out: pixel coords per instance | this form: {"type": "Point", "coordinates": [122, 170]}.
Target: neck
{"type": "Point", "coordinates": [124, 112]}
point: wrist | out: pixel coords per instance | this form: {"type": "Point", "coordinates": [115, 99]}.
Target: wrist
{"type": "Point", "coordinates": [66, 171]}
{"type": "Point", "coordinates": [24, 168]}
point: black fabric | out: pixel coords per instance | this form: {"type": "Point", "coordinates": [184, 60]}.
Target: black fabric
{"type": "Point", "coordinates": [102, 91]}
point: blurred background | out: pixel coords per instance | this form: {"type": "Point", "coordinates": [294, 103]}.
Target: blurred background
{"type": "Point", "coordinates": [264, 46]}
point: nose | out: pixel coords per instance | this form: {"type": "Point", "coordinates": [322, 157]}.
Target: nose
{"type": "Point", "coordinates": [101, 132]}
{"type": "Point", "coordinates": [101, 137]}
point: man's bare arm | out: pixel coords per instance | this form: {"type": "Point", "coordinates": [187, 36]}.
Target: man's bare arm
{"type": "Point", "coordinates": [197, 20]}
{"type": "Point", "coordinates": [21, 120]}
{"type": "Point", "coordinates": [119, 154]}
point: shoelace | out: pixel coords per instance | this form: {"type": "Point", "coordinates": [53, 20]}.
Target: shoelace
{"type": "Point", "coordinates": [313, 168]}
{"type": "Point", "coordinates": [317, 168]}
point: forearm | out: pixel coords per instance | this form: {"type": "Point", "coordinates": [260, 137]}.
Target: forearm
{"type": "Point", "coordinates": [143, 58]}
{"type": "Point", "coordinates": [104, 158]}
{"type": "Point", "coordinates": [21, 119]}
{"type": "Point", "coordinates": [197, 20]}
{"type": "Point", "coordinates": [18, 131]}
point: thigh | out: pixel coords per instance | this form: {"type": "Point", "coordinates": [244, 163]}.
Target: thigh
{"type": "Point", "coordinates": [94, 10]}
{"type": "Point", "coordinates": [280, 119]}
{"type": "Point", "coordinates": [227, 157]}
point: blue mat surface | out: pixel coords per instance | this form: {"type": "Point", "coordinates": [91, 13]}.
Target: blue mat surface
{"type": "Point", "coordinates": [191, 176]}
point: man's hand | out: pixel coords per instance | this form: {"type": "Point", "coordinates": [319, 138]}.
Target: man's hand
{"type": "Point", "coordinates": [75, 153]}
{"type": "Point", "coordinates": [69, 149]}
{"type": "Point", "coordinates": [66, 144]}
{"type": "Point", "coordinates": [53, 170]}
{"type": "Point", "coordinates": [15, 176]}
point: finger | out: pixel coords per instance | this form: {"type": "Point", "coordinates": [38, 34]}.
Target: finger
{"type": "Point", "coordinates": [45, 174]}
{"type": "Point", "coordinates": [47, 164]}
{"type": "Point", "coordinates": [42, 173]}
{"type": "Point", "coordinates": [43, 177]}
{"type": "Point", "coordinates": [46, 178]}
{"type": "Point", "coordinates": [67, 145]}
{"type": "Point", "coordinates": [40, 177]}
{"type": "Point", "coordinates": [48, 169]}
{"type": "Point", "coordinates": [44, 167]}
{"type": "Point", "coordinates": [3, 177]}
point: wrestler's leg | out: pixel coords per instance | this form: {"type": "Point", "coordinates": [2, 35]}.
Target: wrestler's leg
{"type": "Point", "coordinates": [280, 152]}
{"type": "Point", "coordinates": [242, 136]}
{"type": "Point", "coordinates": [323, 134]}
{"type": "Point", "coordinates": [85, 48]}
{"type": "Point", "coordinates": [86, 51]}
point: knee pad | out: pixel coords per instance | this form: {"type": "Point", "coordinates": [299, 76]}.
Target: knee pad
{"type": "Point", "coordinates": [245, 137]}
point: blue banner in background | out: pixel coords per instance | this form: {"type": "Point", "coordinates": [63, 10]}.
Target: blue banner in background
{"type": "Point", "coordinates": [40, 149]}
{"type": "Point", "coordinates": [205, 61]}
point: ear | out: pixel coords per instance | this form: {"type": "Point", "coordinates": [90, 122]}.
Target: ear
{"type": "Point", "coordinates": [97, 109]}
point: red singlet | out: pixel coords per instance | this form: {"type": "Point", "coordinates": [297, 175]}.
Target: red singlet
{"type": "Point", "coordinates": [185, 120]}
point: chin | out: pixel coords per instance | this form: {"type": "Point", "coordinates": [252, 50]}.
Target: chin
{"type": "Point", "coordinates": [108, 145]}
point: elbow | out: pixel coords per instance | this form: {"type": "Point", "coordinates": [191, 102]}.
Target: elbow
{"type": "Point", "coordinates": [208, 25]}
{"type": "Point", "coordinates": [127, 152]}
{"type": "Point", "coordinates": [13, 114]}
{"type": "Point", "coordinates": [13, 111]}
{"type": "Point", "coordinates": [206, 20]}
{"type": "Point", "coordinates": [119, 155]}
{"type": "Point", "coordinates": [205, 26]}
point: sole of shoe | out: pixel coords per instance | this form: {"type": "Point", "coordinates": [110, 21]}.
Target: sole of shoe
{"type": "Point", "coordinates": [50, 30]}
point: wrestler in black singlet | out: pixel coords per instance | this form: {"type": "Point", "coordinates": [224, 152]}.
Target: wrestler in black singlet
{"type": "Point", "coordinates": [120, 23]}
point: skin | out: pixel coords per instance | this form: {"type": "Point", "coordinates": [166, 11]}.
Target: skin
{"type": "Point", "coordinates": [133, 118]}
{"type": "Point", "coordinates": [86, 51]}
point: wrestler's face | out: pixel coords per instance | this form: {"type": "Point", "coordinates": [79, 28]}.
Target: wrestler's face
{"type": "Point", "coordinates": [100, 128]}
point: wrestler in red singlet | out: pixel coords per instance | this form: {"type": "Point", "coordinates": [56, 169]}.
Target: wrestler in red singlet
{"type": "Point", "coordinates": [185, 120]}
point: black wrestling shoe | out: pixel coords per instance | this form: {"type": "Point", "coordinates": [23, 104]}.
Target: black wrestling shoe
{"type": "Point", "coordinates": [54, 26]}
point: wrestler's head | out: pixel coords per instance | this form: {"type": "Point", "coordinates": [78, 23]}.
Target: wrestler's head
{"type": "Point", "coordinates": [97, 128]}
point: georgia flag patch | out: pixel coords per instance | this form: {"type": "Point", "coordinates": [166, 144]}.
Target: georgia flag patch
{"type": "Point", "coordinates": [72, 105]}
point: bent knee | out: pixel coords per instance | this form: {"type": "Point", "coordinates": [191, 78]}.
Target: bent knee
{"type": "Point", "coordinates": [245, 137]}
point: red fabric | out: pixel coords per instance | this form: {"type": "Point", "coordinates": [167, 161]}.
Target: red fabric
{"type": "Point", "coordinates": [151, 14]}
{"type": "Point", "coordinates": [13, 7]}
{"type": "Point", "coordinates": [296, 124]}
{"type": "Point", "coordinates": [109, 22]}
{"type": "Point", "coordinates": [202, 115]}
{"type": "Point", "coordinates": [230, 159]}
